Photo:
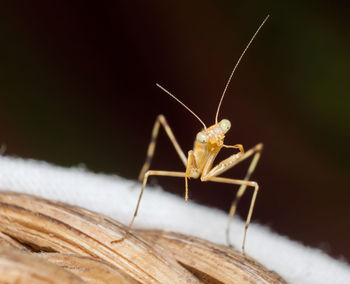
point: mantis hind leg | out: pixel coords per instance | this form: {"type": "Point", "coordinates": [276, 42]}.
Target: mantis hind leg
{"type": "Point", "coordinates": [152, 145]}
{"type": "Point", "coordinates": [257, 152]}
{"type": "Point", "coordinates": [252, 203]}
{"type": "Point", "coordinates": [145, 179]}
{"type": "Point", "coordinates": [227, 164]}
{"type": "Point", "coordinates": [191, 165]}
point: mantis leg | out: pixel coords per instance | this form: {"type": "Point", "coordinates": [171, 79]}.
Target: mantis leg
{"type": "Point", "coordinates": [226, 165]}
{"type": "Point", "coordinates": [244, 183]}
{"type": "Point", "coordinates": [145, 178]}
{"type": "Point", "coordinates": [191, 171]}
{"type": "Point", "coordinates": [152, 145]}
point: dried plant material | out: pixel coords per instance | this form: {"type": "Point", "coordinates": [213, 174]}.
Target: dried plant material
{"type": "Point", "coordinates": [80, 243]}
{"type": "Point", "coordinates": [88, 269]}
{"type": "Point", "coordinates": [20, 267]}
{"type": "Point", "coordinates": [54, 226]}
{"type": "Point", "coordinates": [7, 241]}
{"type": "Point", "coordinates": [210, 262]}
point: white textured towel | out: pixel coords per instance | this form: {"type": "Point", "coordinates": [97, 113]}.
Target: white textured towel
{"type": "Point", "coordinates": [116, 197]}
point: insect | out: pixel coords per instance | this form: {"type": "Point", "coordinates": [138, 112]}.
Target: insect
{"type": "Point", "coordinates": [199, 161]}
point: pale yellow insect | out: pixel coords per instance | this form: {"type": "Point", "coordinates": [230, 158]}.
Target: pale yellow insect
{"type": "Point", "coordinates": [199, 161]}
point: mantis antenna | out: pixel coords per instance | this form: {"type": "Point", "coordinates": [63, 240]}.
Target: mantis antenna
{"type": "Point", "coordinates": [234, 69]}
{"type": "Point", "coordinates": [180, 102]}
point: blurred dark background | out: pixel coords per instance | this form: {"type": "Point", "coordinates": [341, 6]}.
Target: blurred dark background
{"type": "Point", "coordinates": [77, 86]}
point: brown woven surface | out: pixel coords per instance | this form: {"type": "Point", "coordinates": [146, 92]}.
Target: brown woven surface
{"type": "Point", "coordinates": [51, 242]}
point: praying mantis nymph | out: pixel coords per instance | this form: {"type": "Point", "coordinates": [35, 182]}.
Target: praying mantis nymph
{"type": "Point", "coordinates": [199, 161]}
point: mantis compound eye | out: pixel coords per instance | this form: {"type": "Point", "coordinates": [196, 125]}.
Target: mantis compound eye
{"type": "Point", "coordinates": [225, 125]}
{"type": "Point", "coordinates": [201, 137]}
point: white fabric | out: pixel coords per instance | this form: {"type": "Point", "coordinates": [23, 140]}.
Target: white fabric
{"type": "Point", "coordinates": [116, 197]}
